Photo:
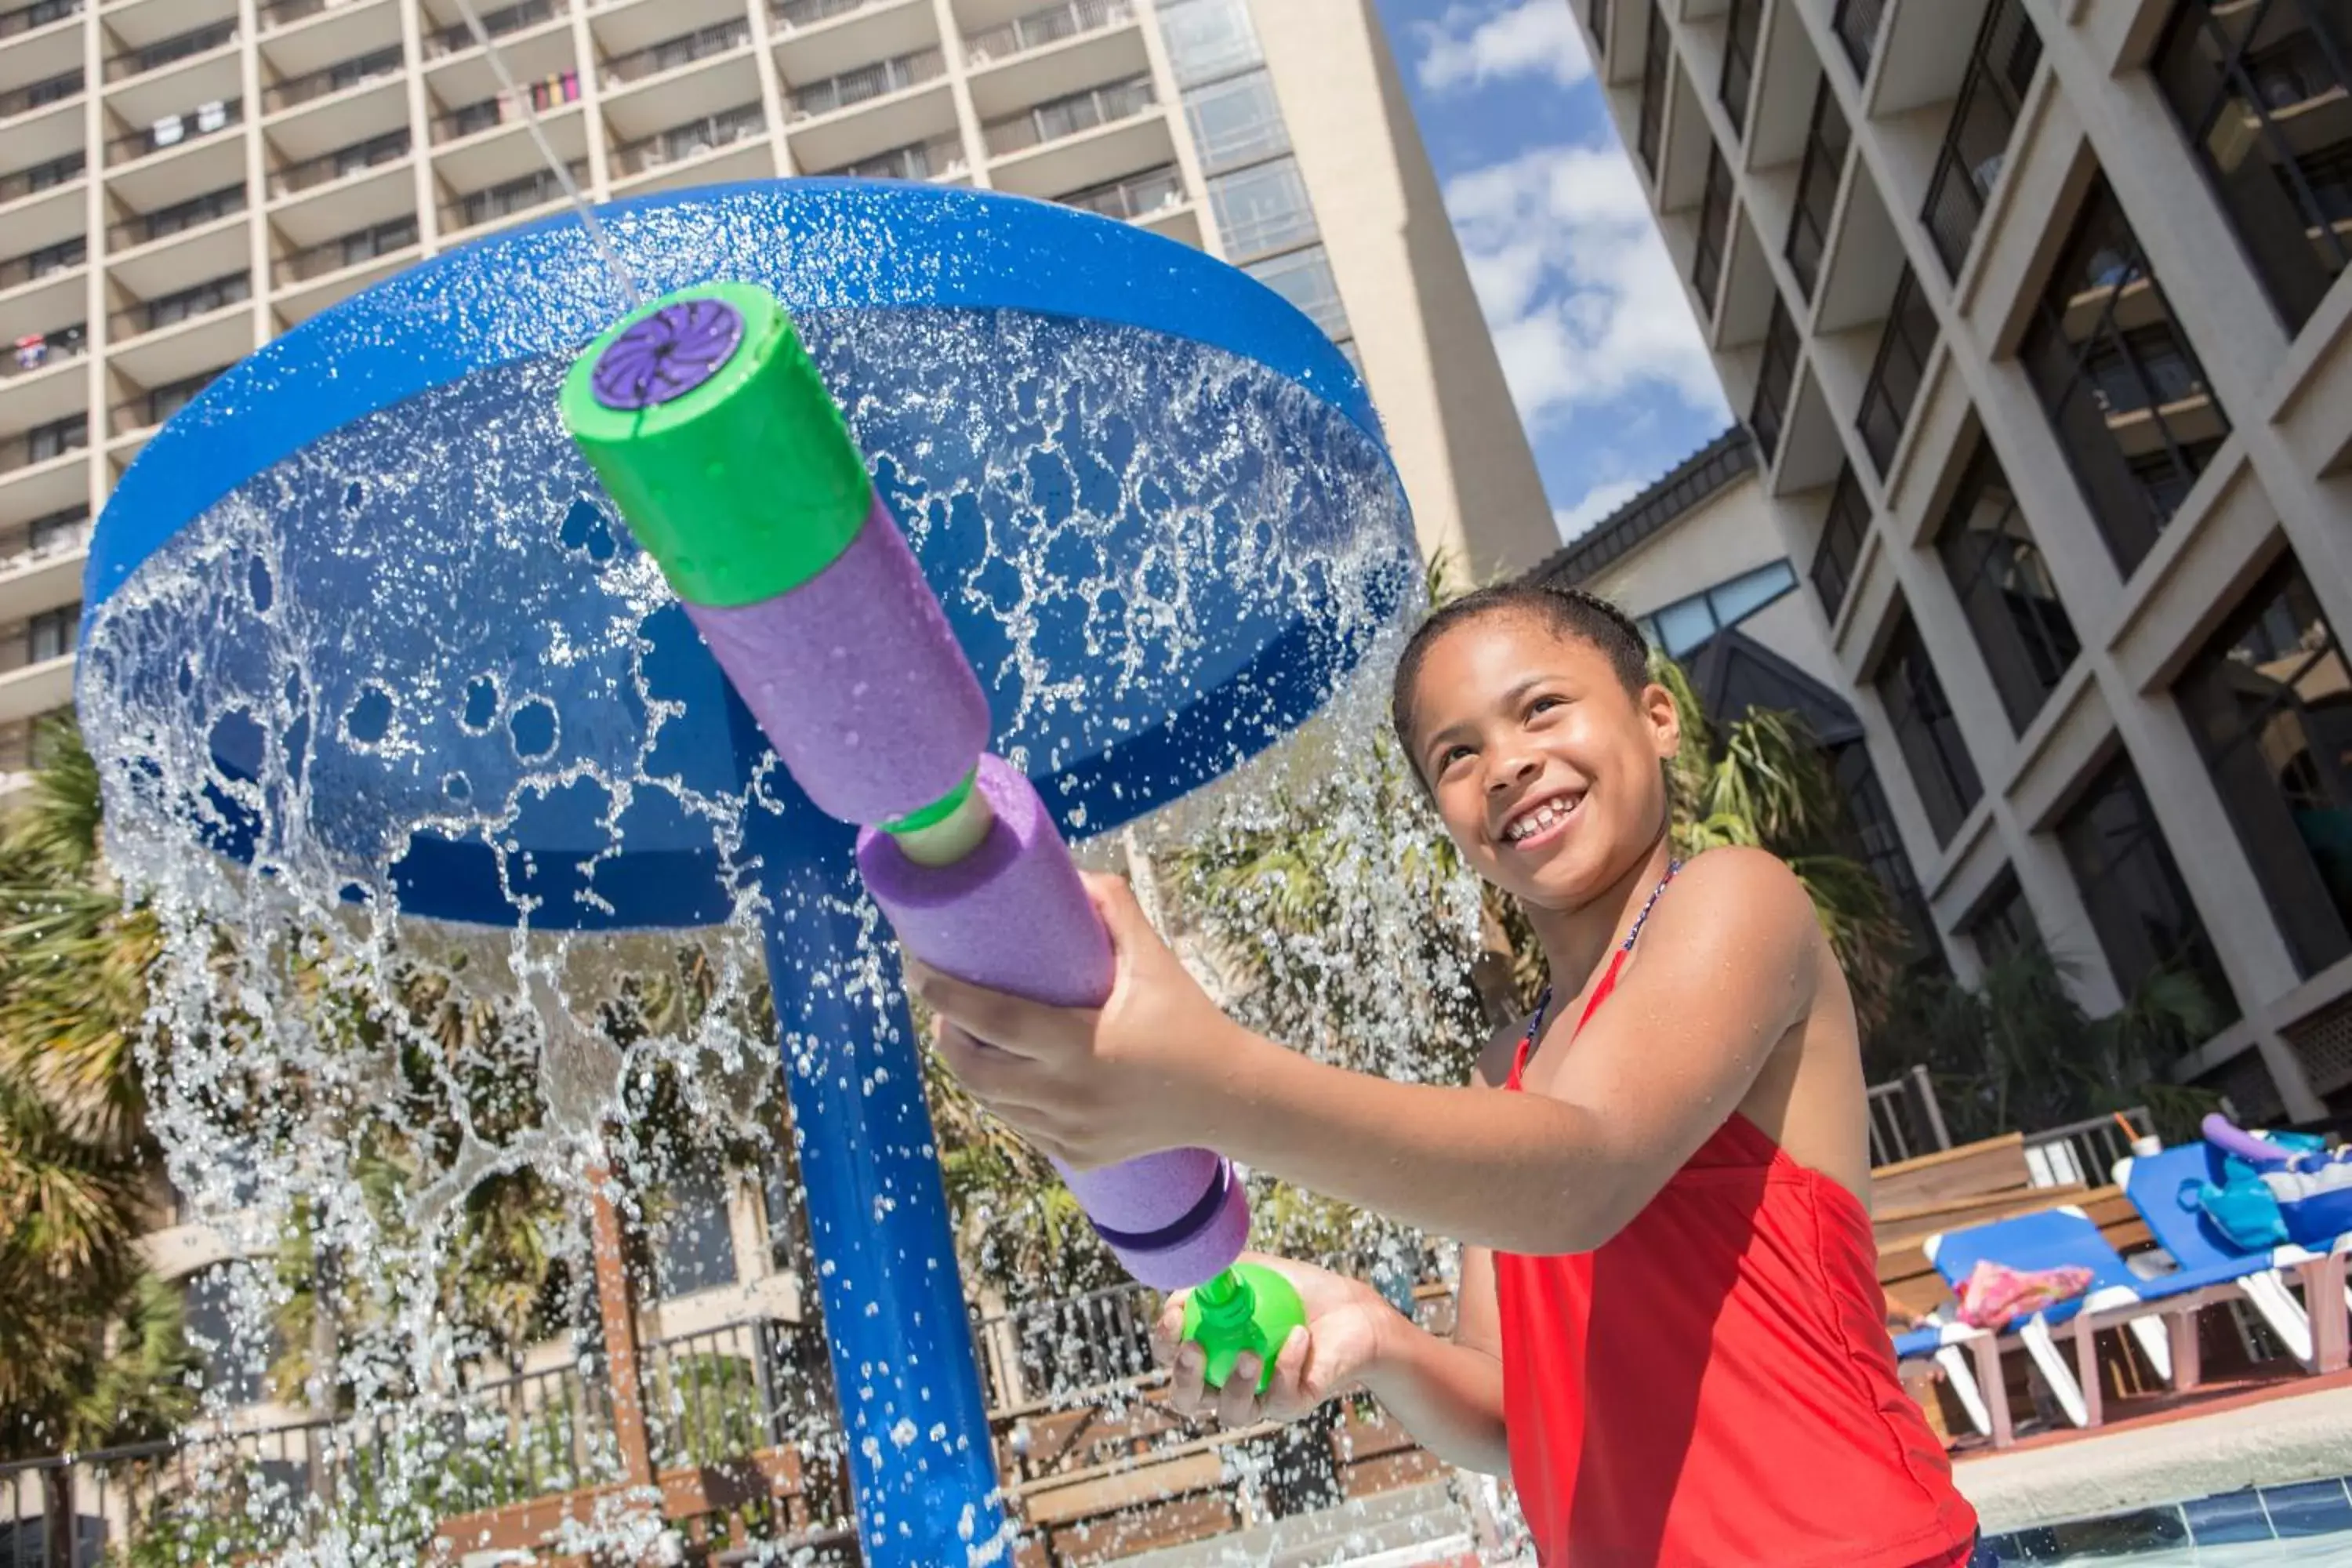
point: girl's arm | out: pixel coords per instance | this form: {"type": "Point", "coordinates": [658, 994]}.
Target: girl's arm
{"type": "Point", "coordinates": [1449, 1393]}
{"type": "Point", "coordinates": [1729, 962]}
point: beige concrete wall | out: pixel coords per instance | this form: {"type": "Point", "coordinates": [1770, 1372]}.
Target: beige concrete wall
{"type": "Point", "coordinates": [1426, 351]}
{"type": "Point", "coordinates": [2277, 484]}
{"type": "Point", "coordinates": [1734, 531]}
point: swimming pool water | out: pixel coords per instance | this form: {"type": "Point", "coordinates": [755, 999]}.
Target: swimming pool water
{"type": "Point", "coordinates": [2307, 1524]}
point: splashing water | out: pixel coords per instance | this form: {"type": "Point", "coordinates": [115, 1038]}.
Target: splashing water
{"type": "Point", "coordinates": [422, 653]}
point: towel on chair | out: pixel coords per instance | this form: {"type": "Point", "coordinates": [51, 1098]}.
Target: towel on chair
{"type": "Point", "coordinates": [1994, 1295]}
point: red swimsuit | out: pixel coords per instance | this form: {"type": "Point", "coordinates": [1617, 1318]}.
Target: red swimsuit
{"type": "Point", "coordinates": [1713, 1387]}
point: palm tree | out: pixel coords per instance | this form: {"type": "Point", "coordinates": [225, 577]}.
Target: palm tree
{"type": "Point", "coordinates": [2016, 1049]}
{"type": "Point", "coordinates": [1765, 781]}
{"type": "Point", "coordinates": [90, 1349]}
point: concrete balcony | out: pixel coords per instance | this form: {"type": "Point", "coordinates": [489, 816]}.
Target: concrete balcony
{"type": "Point", "coordinates": [534, 38]}
{"type": "Point", "coordinates": [821, 38]}
{"type": "Point", "coordinates": [39, 63]}
{"type": "Point", "coordinates": [216, 249]}
{"type": "Point", "coordinates": [199, 148]}
{"type": "Point", "coordinates": [41, 472]}
{"type": "Point", "coordinates": [136, 23]}
{"type": "Point", "coordinates": [169, 355]}
{"type": "Point", "coordinates": [35, 689]}
{"type": "Point", "coordinates": [34, 580]}
{"type": "Point", "coordinates": [197, 66]}
{"type": "Point", "coordinates": [645, 89]}
{"type": "Point", "coordinates": [1074, 143]}
{"type": "Point", "coordinates": [134, 421]}
{"type": "Point", "coordinates": [43, 286]}
{"type": "Point", "coordinates": [348, 102]}
{"type": "Point", "coordinates": [337, 279]}
{"type": "Point", "coordinates": [942, 160]}
{"type": "Point", "coordinates": [43, 383]}
{"type": "Point", "coordinates": [507, 151]}
{"type": "Point", "coordinates": [369, 181]}
{"type": "Point", "coordinates": [300, 37]}
{"type": "Point", "coordinates": [511, 202]}
{"type": "Point", "coordinates": [43, 204]}
{"type": "Point", "coordinates": [1113, 51]}
{"type": "Point", "coordinates": [42, 37]}
{"type": "Point", "coordinates": [38, 688]}
{"type": "Point", "coordinates": [729, 145]}
{"type": "Point", "coordinates": [41, 123]}
{"type": "Point", "coordinates": [863, 114]}
{"type": "Point", "coordinates": [35, 93]}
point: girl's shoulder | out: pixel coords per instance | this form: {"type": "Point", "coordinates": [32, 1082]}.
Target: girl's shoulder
{"type": "Point", "coordinates": [1734, 882]}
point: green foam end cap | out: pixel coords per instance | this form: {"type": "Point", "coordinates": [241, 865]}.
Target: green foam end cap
{"type": "Point", "coordinates": [1249, 1309]}
{"type": "Point", "coordinates": [744, 487]}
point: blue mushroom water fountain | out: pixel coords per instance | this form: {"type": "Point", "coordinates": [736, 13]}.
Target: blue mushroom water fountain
{"type": "Point", "coordinates": [362, 621]}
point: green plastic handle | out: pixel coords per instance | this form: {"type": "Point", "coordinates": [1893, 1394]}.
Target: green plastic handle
{"type": "Point", "coordinates": [1249, 1309]}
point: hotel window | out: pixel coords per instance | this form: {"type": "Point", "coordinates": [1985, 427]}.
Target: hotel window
{"type": "Point", "coordinates": [1714, 232]}
{"type": "Point", "coordinates": [1208, 38]}
{"type": "Point", "coordinates": [2004, 586]}
{"type": "Point", "coordinates": [2121, 385]}
{"type": "Point", "coordinates": [1929, 734]}
{"type": "Point", "coordinates": [1775, 376]}
{"type": "Point", "coordinates": [1896, 373]}
{"type": "Point", "coordinates": [2003, 924]}
{"type": "Point", "coordinates": [1304, 277]}
{"type": "Point", "coordinates": [1739, 61]}
{"type": "Point", "coordinates": [1263, 208]}
{"type": "Point", "coordinates": [1975, 142]}
{"type": "Point", "coordinates": [53, 634]}
{"type": "Point", "coordinates": [2269, 700]}
{"type": "Point", "coordinates": [1840, 551]}
{"type": "Point", "coordinates": [1684, 626]}
{"type": "Point", "coordinates": [1658, 61]}
{"type": "Point", "coordinates": [1236, 121]}
{"type": "Point", "coordinates": [1817, 186]}
{"type": "Point", "coordinates": [2263, 94]}
{"type": "Point", "coordinates": [2139, 907]}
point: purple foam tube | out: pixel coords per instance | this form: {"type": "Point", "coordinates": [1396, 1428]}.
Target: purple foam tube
{"type": "Point", "coordinates": [711, 428]}
{"type": "Point", "coordinates": [857, 679]}
{"type": "Point", "coordinates": [1013, 916]}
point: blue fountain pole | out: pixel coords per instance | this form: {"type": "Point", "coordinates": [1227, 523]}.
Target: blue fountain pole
{"type": "Point", "coordinates": [922, 1467]}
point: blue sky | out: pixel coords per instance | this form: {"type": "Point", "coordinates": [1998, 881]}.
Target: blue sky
{"type": "Point", "coordinates": [1595, 334]}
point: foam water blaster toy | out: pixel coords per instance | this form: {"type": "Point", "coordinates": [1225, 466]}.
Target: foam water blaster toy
{"type": "Point", "coordinates": [711, 429]}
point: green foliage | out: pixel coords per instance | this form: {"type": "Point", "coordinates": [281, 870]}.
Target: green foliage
{"type": "Point", "coordinates": [90, 1351]}
{"type": "Point", "coordinates": [2016, 1050]}
{"type": "Point", "coordinates": [1765, 781]}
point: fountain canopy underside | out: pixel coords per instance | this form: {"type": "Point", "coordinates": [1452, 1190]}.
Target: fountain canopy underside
{"type": "Point", "coordinates": [360, 615]}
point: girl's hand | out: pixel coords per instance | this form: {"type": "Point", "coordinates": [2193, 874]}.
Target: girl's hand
{"type": "Point", "coordinates": [1347, 1323]}
{"type": "Point", "coordinates": [1094, 1086]}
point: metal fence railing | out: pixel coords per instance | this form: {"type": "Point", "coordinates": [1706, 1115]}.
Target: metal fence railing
{"type": "Point", "coordinates": [1050, 24]}
{"type": "Point", "coordinates": [2084, 1153]}
{"type": "Point", "coordinates": [1905, 1119]}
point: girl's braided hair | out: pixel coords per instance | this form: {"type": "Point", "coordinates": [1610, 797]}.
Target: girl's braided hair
{"type": "Point", "coordinates": [1573, 611]}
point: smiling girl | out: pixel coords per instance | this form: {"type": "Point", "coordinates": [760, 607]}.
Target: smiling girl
{"type": "Point", "coordinates": [1670, 1331]}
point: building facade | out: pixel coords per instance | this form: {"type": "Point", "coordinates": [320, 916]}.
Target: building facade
{"type": "Point", "coordinates": [180, 180]}
{"type": "Point", "coordinates": [2034, 308]}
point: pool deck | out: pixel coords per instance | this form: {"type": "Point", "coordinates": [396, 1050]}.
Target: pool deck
{"type": "Point", "coordinates": [2272, 1435]}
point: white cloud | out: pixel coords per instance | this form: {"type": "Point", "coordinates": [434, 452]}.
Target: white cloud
{"type": "Point", "coordinates": [1598, 503]}
{"type": "Point", "coordinates": [1576, 284]}
{"type": "Point", "coordinates": [1474, 43]}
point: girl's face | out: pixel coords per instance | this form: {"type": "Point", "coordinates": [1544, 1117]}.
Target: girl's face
{"type": "Point", "coordinates": [1544, 767]}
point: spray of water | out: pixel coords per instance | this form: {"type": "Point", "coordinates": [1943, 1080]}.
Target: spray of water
{"type": "Point", "coordinates": [428, 626]}
{"type": "Point", "coordinates": [621, 276]}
